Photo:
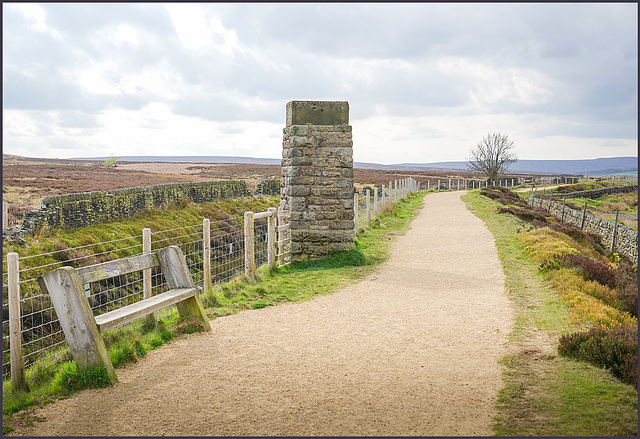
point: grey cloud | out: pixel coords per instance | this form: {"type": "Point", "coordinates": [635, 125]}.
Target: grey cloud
{"type": "Point", "coordinates": [588, 52]}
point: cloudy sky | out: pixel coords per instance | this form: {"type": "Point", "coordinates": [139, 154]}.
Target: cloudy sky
{"type": "Point", "coordinates": [424, 81]}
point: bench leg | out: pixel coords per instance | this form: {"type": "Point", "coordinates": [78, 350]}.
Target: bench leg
{"type": "Point", "coordinates": [176, 272]}
{"type": "Point", "coordinates": [192, 307]}
{"type": "Point", "coordinates": [77, 321]}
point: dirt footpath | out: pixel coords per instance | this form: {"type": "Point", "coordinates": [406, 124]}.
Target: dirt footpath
{"type": "Point", "coordinates": [411, 350]}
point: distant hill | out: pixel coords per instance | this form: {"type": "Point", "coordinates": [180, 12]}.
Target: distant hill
{"type": "Point", "coordinates": [188, 159]}
{"type": "Point", "coordinates": [600, 166]}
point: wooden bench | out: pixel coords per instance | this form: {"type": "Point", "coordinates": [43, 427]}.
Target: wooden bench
{"type": "Point", "coordinates": [82, 330]}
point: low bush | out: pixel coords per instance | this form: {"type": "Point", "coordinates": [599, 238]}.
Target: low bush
{"type": "Point", "coordinates": [588, 239]}
{"type": "Point", "coordinates": [592, 269]}
{"type": "Point", "coordinates": [628, 297]}
{"type": "Point", "coordinates": [526, 214]}
{"type": "Point", "coordinates": [615, 349]}
{"type": "Point", "coordinates": [545, 245]}
{"type": "Point", "coordinates": [588, 301]}
{"type": "Point", "coordinates": [627, 287]}
{"type": "Point", "coordinates": [502, 195]}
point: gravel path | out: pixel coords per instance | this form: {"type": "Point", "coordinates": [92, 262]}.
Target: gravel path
{"type": "Point", "coordinates": [411, 350]}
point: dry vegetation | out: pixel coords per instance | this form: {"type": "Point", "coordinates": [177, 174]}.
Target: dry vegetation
{"type": "Point", "coordinates": [28, 180]}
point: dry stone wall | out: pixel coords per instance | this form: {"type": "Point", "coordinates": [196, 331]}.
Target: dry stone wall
{"type": "Point", "coordinates": [597, 193]}
{"type": "Point", "coordinates": [268, 187]}
{"type": "Point", "coordinates": [82, 209]}
{"type": "Point", "coordinates": [317, 178]}
{"type": "Point", "coordinates": [626, 239]}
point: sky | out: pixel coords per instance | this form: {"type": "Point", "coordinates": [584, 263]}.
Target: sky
{"type": "Point", "coordinates": [424, 81]}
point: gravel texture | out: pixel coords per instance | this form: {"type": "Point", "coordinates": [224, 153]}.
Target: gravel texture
{"type": "Point", "coordinates": [413, 349]}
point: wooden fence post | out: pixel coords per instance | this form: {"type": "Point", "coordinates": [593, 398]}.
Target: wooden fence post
{"type": "Point", "coordinates": [249, 258]}
{"type": "Point", "coordinates": [281, 232]}
{"type": "Point", "coordinates": [146, 273]}
{"type": "Point", "coordinates": [368, 208]}
{"type": "Point", "coordinates": [615, 229]}
{"type": "Point", "coordinates": [355, 213]}
{"type": "Point", "coordinates": [584, 215]}
{"type": "Point", "coordinates": [383, 200]}
{"type": "Point", "coordinates": [18, 381]}
{"type": "Point", "coordinates": [206, 254]}
{"type": "Point", "coordinates": [564, 200]}
{"type": "Point", "coordinates": [375, 201]}
{"type": "Point", "coordinates": [5, 214]}
{"type": "Point", "coordinates": [271, 237]}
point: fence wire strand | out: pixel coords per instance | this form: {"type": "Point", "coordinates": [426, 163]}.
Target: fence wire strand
{"type": "Point", "coordinates": [43, 341]}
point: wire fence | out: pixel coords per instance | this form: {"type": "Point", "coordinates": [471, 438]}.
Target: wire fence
{"type": "Point", "coordinates": [39, 341]}
{"type": "Point", "coordinates": [372, 202]}
{"type": "Point", "coordinates": [40, 337]}
{"type": "Point", "coordinates": [13, 213]}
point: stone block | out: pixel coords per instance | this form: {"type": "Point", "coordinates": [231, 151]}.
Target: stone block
{"type": "Point", "coordinates": [302, 142]}
{"type": "Point", "coordinates": [317, 113]}
{"type": "Point", "coordinates": [302, 161]}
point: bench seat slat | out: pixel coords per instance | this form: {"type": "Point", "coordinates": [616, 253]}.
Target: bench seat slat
{"type": "Point", "coordinates": [107, 270]}
{"type": "Point", "coordinates": [129, 313]}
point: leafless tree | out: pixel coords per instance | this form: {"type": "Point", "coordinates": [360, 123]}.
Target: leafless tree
{"type": "Point", "coordinates": [492, 156]}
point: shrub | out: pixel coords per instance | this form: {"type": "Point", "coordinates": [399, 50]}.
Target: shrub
{"type": "Point", "coordinates": [628, 297]}
{"type": "Point", "coordinates": [502, 195]}
{"type": "Point", "coordinates": [589, 301]}
{"type": "Point", "coordinates": [614, 349]}
{"type": "Point", "coordinates": [588, 239]}
{"type": "Point", "coordinates": [525, 214]}
{"type": "Point", "coordinates": [592, 269]}
{"type": "Point", "coordinates": [543, 245]}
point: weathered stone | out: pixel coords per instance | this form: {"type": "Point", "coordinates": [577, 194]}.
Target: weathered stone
{"type": "Point", "coordinates": [72, 211]}
{"type": "Point", "coordinates": [317, 113]}
{"type": "Point", "coordinates": [317, 178]}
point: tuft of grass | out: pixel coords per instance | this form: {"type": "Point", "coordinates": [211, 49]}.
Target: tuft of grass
{"type": "Point", "coordinates": [190, 325]}
{"type": "Point", "coordinates": [122, 353]}
{"type": "Point", "coordinates": [70, 378]}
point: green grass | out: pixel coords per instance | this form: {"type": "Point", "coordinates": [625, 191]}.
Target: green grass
{"type": "Point", "coordinates": [306, 280]}
{"type": "Point", "coordinates": [545, 394]}
{"type": "Point", "coordinates": [291, 283]}
{"type": "Point", "coordinates": [122, 238]}
{"type": "Point", "coordinates": [50, 382]}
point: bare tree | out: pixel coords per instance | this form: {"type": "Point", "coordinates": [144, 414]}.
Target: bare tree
{"type": "Point", "coordinates": [492, 156]}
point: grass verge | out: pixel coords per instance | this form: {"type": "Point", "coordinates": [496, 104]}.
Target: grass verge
{"type": "Point", "coordinates": [292, 283]}
{"type": "Point", "coordinates": [305, 280]}
{"type": "Point", "coordinates": [545, 394]}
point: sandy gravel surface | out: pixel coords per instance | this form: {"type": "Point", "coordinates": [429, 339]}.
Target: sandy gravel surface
{"type": "Point", "coordinates": [411, 350]}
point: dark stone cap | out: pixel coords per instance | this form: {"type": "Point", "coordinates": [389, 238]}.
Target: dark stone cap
{"type": "Point", "coordinates": [317, 113]}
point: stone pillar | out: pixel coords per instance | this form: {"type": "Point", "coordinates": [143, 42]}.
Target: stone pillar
{"type": "Point", "coordinates": [317, 178]}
